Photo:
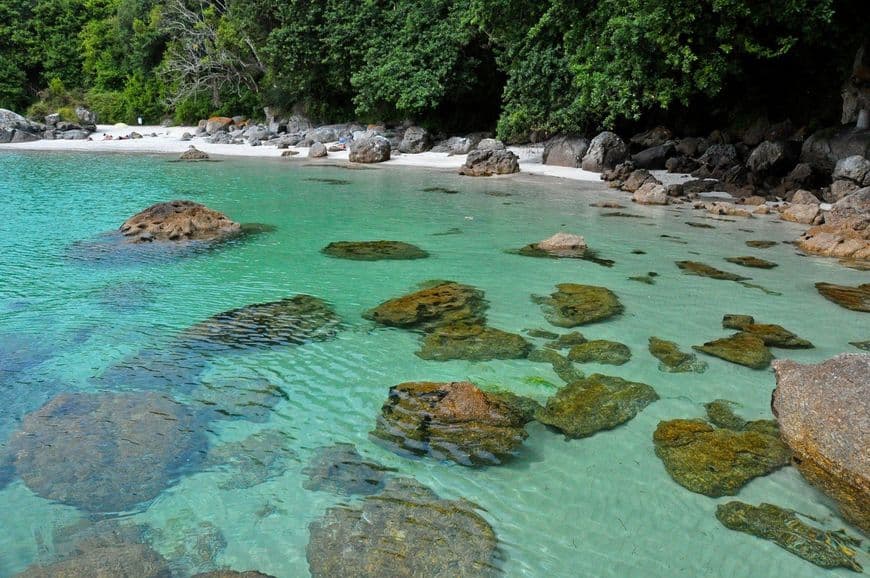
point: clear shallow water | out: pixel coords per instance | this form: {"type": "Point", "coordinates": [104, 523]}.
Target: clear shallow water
{"type": "Point", "coordinates": [601, 506]}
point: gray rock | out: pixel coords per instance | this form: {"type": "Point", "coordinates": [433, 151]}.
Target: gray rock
{"type": "Point", "coordinates": [322, 134]}
{"type": "Point", "coordinates": [565, 151]}
{"type": "Point", "coordinates": [681, 164]}
{"type": "Point", "coordinates": [854, 168]}
{"type": "Point", "coordinates": [654, 157]}
{"type": "Point", "coordinates": [6, 135]}
{"type": "Point", "coordinates": [186, 137]}
{"type": "Point", "coordinates": [719, 157]}
{"type": "Point", "coordinates": [415, 140]}
{"type": "Point", "coordinates": [490, 144]}
{"type": "Point", "coordinates": [488, 162]}
{"type": "Point", "coordinates": [652, 138]}
{"type": "Point", "coordinates": [374, 149]}
{"type": "Point", "coordinates": [605, 152]}
{"type": "Point", "coordinates": [691, 146]}
{"type": "Point", "coordinates": [317, 150]}
{"type": "Point", "coordinates": [770, 158]}
{"type": "Point", "coordinates": [802, 197]}
{"type": "Point", "coordinates": [52, 119]}
{"type": "Point", "coordinates": [824, 148]}
{"type": "Point", "coordinates": [85, 116]}
{"type": "Point", "coordinates": [23, 136]}
{"type": "Point", "coordinates": [256, 132]}
{"type": "Point", "coordinates": [75, 135]}
{"type": "Point", "coordinates": [651, 194]}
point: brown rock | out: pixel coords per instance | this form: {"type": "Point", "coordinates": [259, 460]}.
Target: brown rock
{"type": "Point", "coordinates": [651, 194]}
{"type": "Point", "coordinates": [854, 298]}
{"type": "Point", "coordinates": [178, 221]}
{"type": "Point", "coordinates": [802, 197]}
{"type": "Point", "coordinates": [193, 154]}
{"type": "Point", "coordinates": [804, 213]}
{"type": "Point", "coordinates": [485, 163]}
{"type": "Point", "coordinates": [823, 412]}
{"type": "Point", "coordinates": [846, 231]}
{"type": "Point", "coordinates": [444, 303]}
{"type": "Point", "coordinates": [216, 123]}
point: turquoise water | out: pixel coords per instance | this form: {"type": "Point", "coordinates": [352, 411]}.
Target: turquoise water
{"type": "Point", "coordinates": [601, 506]}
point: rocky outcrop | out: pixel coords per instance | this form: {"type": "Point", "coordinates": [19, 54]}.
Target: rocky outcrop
{"type": "Point", "coordinates": [565, 151]}
{"type": "Point", "coordinates": [572, 304]}
{"type": "Point", "coordinates": [854, 298]}
{"type": "Point", "coordinates": [605, 152]}
{"type": "Point", "coordinates": [770, 159]}
{"type": "Point", "coordinates": [455, 421]}
{"type": "Point", "coordinates": [823, 411]}
{"type": "Point", "coordinates": [443, 303]}
{"type": "Point", "coordinates": [473, 343]}
{"type": "Point", "coordinates": [14, 128]}
{"type": "Point", "coordinates": [824, 148]}
{"type": "Point", "coordinates": [486, 163]}
{"type": "Point", "coordinates": [651, 194]}
{"type": "Point", "coordinates": [374, 250]}
{"type": "Point", "coordinates": [846, 230]}
{"type": "Point", "coordinates": [855, 169]}
{"type": "Point", "coordinates": [415, 140]}
{"type": "Point", "coordinates": [317, 150]}
{"type": "Point", "coordinates": [803, 214]}
{"type": "Point", "coordinates": [655, 157]}
{"type": "Point", "coordinates": [193, 154]}
{"type": "Point", "coordinates": [562, 242]}
{"type": "Point", "coordinates": [177, 221]}
{"type": "Point", "coordinates": [600, 351]}
{"type": "Point", "coordinates": [373, 149]}
{"type": "Point", "coordinates": [216, 124]}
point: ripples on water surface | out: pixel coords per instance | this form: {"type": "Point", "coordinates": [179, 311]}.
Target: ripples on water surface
{"type": "Point", "coordinates": [77, 321]}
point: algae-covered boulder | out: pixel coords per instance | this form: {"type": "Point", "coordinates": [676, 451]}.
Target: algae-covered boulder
{"type": "Point", "coordinates": [785, 529]}
{"type": "Point", "coordinates": [290, 321]}
{"type": "Point", "coordinates": [716, 462]}
{"type": "Point", "coordinates": [600, 351]}
{"type": "Point", "coordinates": [772, 335]}
{"type": "Point", "coordinates": [854, 298]}
{"type": "Point", "coordinates": [178, 221]}
{"type": "Point", "coordinates": [672, 360]}
{"type": "Point", "coordinates": [761, 244]}
{"type": "Point", "coordinates": [105, 452]}
{"type": "Point", "coordinates": [374, 250]}
{"type": "Point", "coordinates": [741, 348]}
{"type": "Point", "coordinates": [258, 458]}
{"type": "Point", "coordinates": [598, 402]}
{"type": "Point", "coordinates": [572, 304]}
{"type": "Point", "coordinates": [704, 270]}
{"type": "Point", "coordinates": [720, 413]}
{"type": "Point", "coordinates": [562, 366]}
{"type": "Point", "coordinates": [341, 470]}
{"type": "Point", "coordinates": [566, 340]}
{"type": "Point", "coordinates": [441, 304]}
{"type": "Point", "coordinates": [754, 262]}
{"type": "Point", "coordinates": [115, 561]}
{"type": "Point", "coordinates": [405, 532]}
{"type": "Point", "coordinates": [823, 411]}
{"type": "Point", "coordinates": [472, 342]}
{"type": "Point", "coordinates": [455, 421]}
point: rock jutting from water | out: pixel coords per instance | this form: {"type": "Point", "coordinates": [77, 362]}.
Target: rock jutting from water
{"type": "Point", "coordinates": [761, 244]}
{"type": "Point", "coordinates": [440, 304]}
{"type": "Point", "coordinates": [455, 421]}
{"type": "Point", "coordinates": [405, 532]}
{"type": "Point", "coordinates": [566, 340]}
{"type": "Point", "coordinates": [741, 348]}
{"type": "Point", "coordinates": [672, 360]}
{"type": "Point", "coordinates": [374, 250]}
{"type": "Point", "coordinates": [572, 304]}
{"type": "Point", "coordinates": [341, 470]}
{"type": "Point", "coordinates": [600, 351]}
{"type": "Point", "coordinates": [704, 270]}
{"type": "Point", "coordinates": [772, 335]}
{"type": "Point", "coordinates": [854, 298]}
{"type": "Point", "coordinates": [598, 402]}
{"type": "Point", "coordinates": [291, 321]}
{"type": "Point", "coordinates": [486, 163]}
{"type": "Point", "coordinates": [823, 411]}
{"type": "Point", "coordinates": [784, 528]}
{"type": "Point", "coordinates": [193, 154]}
{"type": "Point", "coordinates": [105, 452]}
{"type": "Point", "coordinates": [254, 460]}
{"type": "Point", "coordinates": [178, 221]}
{"type": "Point", "coordinates": [472, 342]}
{"type": "Point", "coordinates": [754, 262]}
{"type": "Point", "coordinates": [716, 462]}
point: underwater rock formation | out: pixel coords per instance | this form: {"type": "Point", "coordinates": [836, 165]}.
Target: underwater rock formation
{"type": "Point", "coordinates": [341, 470]}
{"type": "Point", "coordinates": [600, 351]}
{"type": "Point", "coordinates": [823, 410]}
{"type": "Point", "coordinates": [178, 221]}
{"type": "Point", "coordinates": [117, 561]}
{"type": "Point", "coordinates": [572, 304]}
{"type": "Point", "coordinates": [566, 340]}
{"type": "Point", "coordinates": [251, 400]}
{"type": "Point", "coordinates": [455, 421]}
{"type": "Point", "coordinates": [704, 270]}
{"type": "Point", "coordinates": [472, 342]}
{"type": "Point", "coordinates": [754, 262]}
{"type": "Point", "coordinates": [258, 458]}
{"type": "Point", "coordinates": [405, 532]}
{"type": "Point", "coordinates": [741, 348]}
{"type": "Point", "coordinates": [562, 366]}
{"type": "Point", "coordinates": [105, 452]}
{"type": "Point", "coordinates": [374, 250]}
{"type": "Point", "coordinates": [440, 304]}
{"type": "Point", "coordinates": [854, 298]}
{"type": "Point", "coordinates": [232, 574]}
{"type": "Point", "coordinates": [761, 244]}
{"type": "Point", "coordinates": [672, 360]}
{"type": "Point", "coordinates": [596, 403]}
{"type": "Point", "coordinates": [772, 335]}
{"type": "Point", "coordinates": [786, 530]}
{"type": "Point", "coordinates": [192, 545]}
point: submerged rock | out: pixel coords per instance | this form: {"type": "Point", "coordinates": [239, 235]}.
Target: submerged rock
{"type": "Point", "coordinates": [721, 414]}
{"type": "Point", "coordinates": [290, 321]}
{"type": "Point", "coordinates": [472, 342]}
{"type": "Point", "coordinates": [772, 335]}
{"type": "Point", "coordinates": [716, 462]}
{"type": "Point", "coordinates": [232, 574]}
{"type": "Point", "coordinates": [704, 270]}
{"type": "Point", "coordinates": [254, 460]}
{"type": "Point", "coordinates": [341, 470]}
{"type": "Point", "coordinates": [455, 421]}
{"type": "Point", "coordinates": [741, 348]}
{"type": "Point", "coordinates": [755, 262]}
{"type": "Point", "coordinates": [441, 304]}
{"type": "Point", "coordinates": [760, 244]}
{"type": "Point", "coordinates": [579, 252]}
{"type": "Point", "coordinates": [192, 545]}
{"type": "Point", "coordinates": [854, 298]}
{"type": "Point", "coordinates": [252, 399]}
{"type": "Point", "coordinates": [105, 452]}
{"type": "Point", "coordinates": [600, 351]}
{"type": "Point", "coordinates": [178, 221]}
{"type": "Point", "coordinates": [567, 340]}
{"type": "Point", "coordinates": [115, 561]}
{"type": "Point", "coordinates": [865, 345]}
{"type": "Point", "coordinates": [672, 359]}
{"type": "Point", "coordinates": [374, 250]}
{"type": "Point", "coordinates": [562, 366]}
{"type": "Point", "coordinates": [823, 411]}
{"type": "Point", "coordinates": [405, 532]}
{"type": "Point", "coordinates": [784, 528]}
{"type": "Point", "coordinates": [572, 304]}
{"type": "Point", "coordinates": [598, 402]}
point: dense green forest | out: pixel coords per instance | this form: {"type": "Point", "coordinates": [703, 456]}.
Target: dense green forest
{"type": "Point", "coordinates": [527, 68]}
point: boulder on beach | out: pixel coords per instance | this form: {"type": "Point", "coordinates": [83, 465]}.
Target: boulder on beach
{"type": "Point", "coordinates": [317, 150]}
{"type": "Point", "coordinates": [651, 194]}
{"type": "Point", "coordinates": [453, 421]}
{"type": "Point", "coordinates": [416, 140]}
{"type": "Point", "coordinates": [405, 532]}
{"type": "Point", "coordinates": [443, 303]}
{"type": "Point", "coordinates": [193, 154]}
{"type": "Point", "coordinates": [178, 221]}
{"type": "Point", "coordinates": [823, 411]}
{"type": "Point", "coordinates": [489, 162]}
{"type": "Point", "coordinates": [605, 152]}
{"type": "Point", "coordinates": [374, 250]}
{"type": "Point", "coordinates": [472, 342]}
{"type": "Point", "coordinates": [565, 151]}
{"type": "Point", "coordinates": [372, 149]}
{"type": "Point", "coordinates": [217, 123]}
{"type": "Point", "coordinates": [572, 304]}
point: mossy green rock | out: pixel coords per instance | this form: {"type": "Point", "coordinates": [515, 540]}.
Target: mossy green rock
{"type": "Point", "coordinates": [374, 250]}
{"type": "Point", "coordinates": [405, 532]}
{"type": "Point", "coordinates": [721, 414]}
{"type": "Point", "coordinates": [772, 335]}
{"type": "Point", "coordinates": [439, 304]}
{"type": "Point", "coordinates": [572, 305]}
{"type": "Point", "coordinates": [783, 527]}
{"type": "Point", "coordinates": [716, 462]}
{"type": "Point", "coordinates": [855, 298]}
{"type": "Point", "coordinates": [455, 421]}
{"type": "Point", "coordinates": [600, 351]}
{"type": "Point", "coordinates": [567, 341]}
{"type": "Point", "coordinates": [754, 262]}
{"type": "Point", "coordinates": [472, 342]}
{"type": "Point", "coordinates": [760, 244]}
{"type": "Point", "coordinates": [742, 348]}
{"type": "Point", "coordinates": [704, 270]}
{"type": "Point", "coordinates": [596, 403]}
{"type": "Point", "coordinates": [562, 366]}
{"type": "Point", "coordinates": [672, 359]}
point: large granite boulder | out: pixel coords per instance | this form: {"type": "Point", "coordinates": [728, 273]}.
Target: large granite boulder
{"type": "Point", "coordinates": [561, 242]}
{"type": "Point", "coordinates": [178, 221]}
{"type": "Point", "coordinates": [605, 152]}
{"type": "Point", "coordinates": [15, 128]}
{"type": "Point", "coordinates": [443, 303]}
{"type": "Point", "coordinates": [651, 194]}
{"type": "Point", "coordinates": [719, 158]}
{"type": "Point", "coordinates": [598, 402]}
{"type": "Point", "coordinates": [565, 151]}
{"type": "Point", "coordinates": [415, 140]}
{"type": "Point", "coordinates": [572, 304]}
{"type": "Point", "coordinates": [453, 421]}
{"type": "Point", "coordinates": [486, 163]}
{"type": "Point", "coordinates": [770, 159]}
{"type": "Point", "coordinates": [105, 452]}
{"type": "Point", "coordinates": [405, 532]}
{"type": "Point", "coordinates": [317, 150]}
{"type": "Point", "coordinates": [655, 157]}
{"type": "Point", "coordinates": [823, 411]}
{"type": "Point", "coordinates": [373, 149]}
{"type": "Point", "coordinates": [846, 230]}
